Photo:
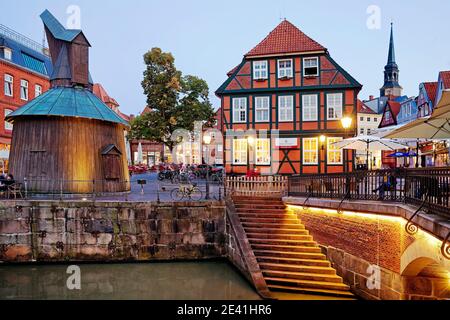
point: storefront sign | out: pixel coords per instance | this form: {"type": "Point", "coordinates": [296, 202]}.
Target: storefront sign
{"type": "Point", "coordinates": [286, 143]}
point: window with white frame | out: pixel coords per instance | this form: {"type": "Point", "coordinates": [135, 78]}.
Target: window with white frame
{"type": "Point", "coordinates": [309, 107]}
{"type": "Point", "coordinates": [387, 115]}
{"type": "Point", "coordinates": [285, 68]}
{"type": "Point", "coordinates": [310, 150]}
{"type": "Point", "coordinates": [285, 108]}
{"type": "Point", "coordinates": [7, 53]}
{"type": "Point", "coordinates": [263, 151]}
{"type": "Point", "coordinates": [37, 90]}
{"type": "Point", "coordinates": [259, 70]}
{"type": "Point", "coordinates": [311, 67]}
{"type": "Point", "coordinates": [9, 84]}
{"type": "Point", "coordinates": [24, 89]}
{"type": "Point", "coordinates": [262, 109]}
{"type": "Point", "coordinates": [334, 106]}
{"type": "Point", "coordinates": [334, 153]}
{"type": "Point", "coordinates": [240, 151]}
{"type": "Point", "coordinates": [8, 125]}
{"type": "Point", "coordinates": [361, 131]}
{"type": "Point", "coordinates": [369, 131]}
{"type": "Point", "coordinates": [368, 119]}
{"type": "Point", "coordinates": [239, 110]}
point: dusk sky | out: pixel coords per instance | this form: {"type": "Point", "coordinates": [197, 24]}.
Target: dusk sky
{"type": "Point", "coordinates": [208, 38]}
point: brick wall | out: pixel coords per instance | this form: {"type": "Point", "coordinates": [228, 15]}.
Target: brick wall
{"type": "Point", "coordinates": [14, 102]}
{"type": "Point", "coordinates": [53, 231]}
{"type": "Point", "coordinates": [378, 241]}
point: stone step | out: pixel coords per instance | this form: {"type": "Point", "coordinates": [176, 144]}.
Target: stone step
{"type": "Point", "coordinates": [286, 236]}
{"type": "Point", "coordinates": [291, 257]}
{"type": "Point", "coordinates": [307, 284]}
{"type": "Point", "coordinates": [269, 220]}
{"type": "Point", "coordinates": [268, 210]}
{"type": "Point", "coordinates": [282, 249]}
{"type": "Point", "coordinates": [274, 231]}
{"type": "Point", "coordinates": [296, 267]}
{"type": "Point", "coordinates": [270, 215]}
{"type": "Point", "coordinates": [293, 289]}
{"type": "Point", "coordinates": [259, 206]}
{"type": "Point", "coordinates": [295, 262]}
{"type": "Point", "coordinates": [273, 224]}
{"type": "Point", "coordinates": [283, 243]}
{"type": "Point", "coordinates": [255, 199]}
{"type": "Point", "coordinates": [308, 276]}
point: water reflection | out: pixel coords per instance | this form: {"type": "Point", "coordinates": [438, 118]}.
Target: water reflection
{"type": "Point", "coordinates": [180, 281]}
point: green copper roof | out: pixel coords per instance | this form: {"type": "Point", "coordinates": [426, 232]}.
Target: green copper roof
{"type": "Point", "coordinates": [68, 102]}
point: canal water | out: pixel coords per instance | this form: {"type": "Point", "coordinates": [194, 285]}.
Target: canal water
{"type": "Point", "coordinates": [175, 280]}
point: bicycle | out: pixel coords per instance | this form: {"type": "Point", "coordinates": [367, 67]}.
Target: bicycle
{"type": "Point", "coordinates": [191, 192]}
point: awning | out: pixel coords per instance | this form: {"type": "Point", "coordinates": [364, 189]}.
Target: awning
{"type": "Point", "coordinates": [402, 154]}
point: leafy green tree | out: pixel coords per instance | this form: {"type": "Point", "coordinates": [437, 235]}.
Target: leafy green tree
{"type": "Point", "coordinates": [174, 101]}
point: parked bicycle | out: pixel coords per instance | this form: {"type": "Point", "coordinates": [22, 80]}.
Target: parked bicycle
{"type": "Point", "coordinates": [190, 191]}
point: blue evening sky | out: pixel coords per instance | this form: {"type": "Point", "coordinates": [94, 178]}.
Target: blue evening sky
{"type": "Point", "coordinates": [209, 37]}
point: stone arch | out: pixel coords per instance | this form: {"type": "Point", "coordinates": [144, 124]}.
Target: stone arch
{"type": "Point", "coordinates": [423, 252]}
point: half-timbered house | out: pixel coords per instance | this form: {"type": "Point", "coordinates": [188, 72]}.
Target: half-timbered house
{"type": "Point", "coordinates": [282, 107]}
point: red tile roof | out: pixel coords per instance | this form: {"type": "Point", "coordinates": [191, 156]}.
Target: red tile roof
{"type": "Point", "coordinates": [362, 108]}
{"type": "Point", "coordinates": [445, 75]}
{"type": "Point", "coordinates": [100, 92]}
{"type": "Point", "coordinates": [431, 89]}
{"type": "Point", "coordinates": [285, 38]}
{"type": "Point", "coordinates": [395, 107]}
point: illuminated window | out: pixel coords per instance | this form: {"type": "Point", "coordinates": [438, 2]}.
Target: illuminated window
{"type": "Point", "coordinates": [9, 81]}
{"type": "Point", "coordinates": [285, 68]}
{"type": "Point", "coordinates": [8, 125]}
{"type": "Point", "coordinates": [24, 89]}
{"type": "Point", "coordinates": [239, 110]}
{"type": "Point", "coordinates": [334, 106]}
{"type": "Point", "coordinates": [262, 109]}
{"type": "Point", "coordinates": [240, 151]}
{"type": "Point", "coordinates": [309, 107]}
{"type": "Point", "coordinates": [334, 153]}
{"type": "Point", "coordinates": [263, 151]}
{"type": "Point", "coordinates": [285, 108]}
{"type": "Point", "coordinates": [37, 90]}
{"type": "Point", "coordinates": [260, 70]}
{"type": "Point", "coordinates": [311, 67]}
{"type": "Point", "coordinates": [310, 150]}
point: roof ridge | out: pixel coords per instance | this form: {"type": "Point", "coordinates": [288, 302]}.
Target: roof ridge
{"type": "Point", "coordinates": [285, 38]}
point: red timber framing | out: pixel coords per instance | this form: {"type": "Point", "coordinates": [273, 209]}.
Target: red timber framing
{"type": "Point", "coordinates": [270, 77]}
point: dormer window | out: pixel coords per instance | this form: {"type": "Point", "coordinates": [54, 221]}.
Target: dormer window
{"type": "Point", "coordinates": [7, 53]}
{"type": "Point", "coordinates": [284, 68]}
{"type": "Point", "coordinates": [311, 67]}
{"type": "Point", "coordinates": [260, 70]}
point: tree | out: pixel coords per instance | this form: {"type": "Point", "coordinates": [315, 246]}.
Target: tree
{"type": "Point", "coordinates": [174, 101]}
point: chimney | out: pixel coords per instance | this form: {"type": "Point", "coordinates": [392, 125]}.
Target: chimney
{"type": "Point", "coordinates": [371, 98]}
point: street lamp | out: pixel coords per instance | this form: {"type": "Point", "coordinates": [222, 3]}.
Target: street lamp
{"type": "Point", "coordinates": [346, 122]}
{"type": "Point", "coordinates": [207, 141]}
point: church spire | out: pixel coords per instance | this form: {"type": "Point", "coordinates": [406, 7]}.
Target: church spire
{"type": "Point", "coordinates": [391, 56]}
{"type": "Point", "coordinates": [391, 85]}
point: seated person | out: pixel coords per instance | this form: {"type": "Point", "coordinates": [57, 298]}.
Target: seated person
{"type": "Point", "coordinates": [389, 183]}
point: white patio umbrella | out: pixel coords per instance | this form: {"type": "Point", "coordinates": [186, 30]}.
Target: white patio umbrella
{"type": "Point", "coordinates": [139, 155]}
{"type": "Point", "coordinates": [128, 150]}
{"type": "Point", "coordinates": [437, 126]}
{"type": "Point", "coordinates": [369, 143]}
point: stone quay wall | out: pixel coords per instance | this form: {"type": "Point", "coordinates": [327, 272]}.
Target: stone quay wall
{"type": "Point", "coordinates": [46, 231]}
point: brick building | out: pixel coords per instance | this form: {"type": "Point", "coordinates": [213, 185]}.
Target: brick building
{"type": "Point", "coordinates": [25, 67]}
{"type": "Point", "coordinates": [289, 83]}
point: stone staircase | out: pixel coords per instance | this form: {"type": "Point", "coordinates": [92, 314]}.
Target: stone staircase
{"type": "Point", "coordinates": [289, 258]}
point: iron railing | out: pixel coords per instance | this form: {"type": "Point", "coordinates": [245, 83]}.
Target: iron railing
{"type": "Point", "coordinates": [427, 187]}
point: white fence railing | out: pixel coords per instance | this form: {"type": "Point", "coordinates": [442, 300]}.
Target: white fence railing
{"type": "Point", "coordinates": [257, 186]}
